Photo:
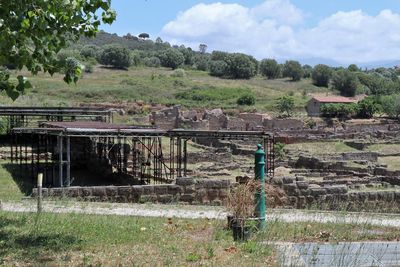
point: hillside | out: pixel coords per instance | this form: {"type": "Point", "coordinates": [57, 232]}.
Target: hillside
{"type": "Point", "coordinates": [157, 85]}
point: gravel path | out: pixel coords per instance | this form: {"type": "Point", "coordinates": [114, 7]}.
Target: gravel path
{"type": "Point", "coordinates": [198, 212]}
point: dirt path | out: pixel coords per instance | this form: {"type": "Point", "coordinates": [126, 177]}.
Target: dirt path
{"type": "Point", "coordinates": [198, 212]}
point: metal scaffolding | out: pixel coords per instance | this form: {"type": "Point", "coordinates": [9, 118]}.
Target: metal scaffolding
{"type": "Point", "coordinates": [148, 155]}
{"type": "Point", "coordinates": [30, 116]}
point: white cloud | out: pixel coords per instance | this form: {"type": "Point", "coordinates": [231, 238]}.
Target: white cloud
{"type": "Point", "coordinates": [276, 29]}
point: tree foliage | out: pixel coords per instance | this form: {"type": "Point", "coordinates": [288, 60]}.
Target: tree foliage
{"type": "Point", "coordinates": [293, 70]}
{"type": "Point", "coordinates": [116, 56]}
{"type": "Point", "coordinates": [343, 111]}
{"type": "Point", "coordinates": [270, 68]}
{"type": "Point", "coordinates": [32, 32]}
{"type": "Point", "coordinates": [285, 105]}
{"type": "Point", "coordinates": [321, 75]}
{"type": "Point", "coordinates": [218, 68]}
{"type": "Point", "coordinates": [391, 106]}
{"type": "Point", "coordinates": [345, 82]}
{"type": "Point", "coordinates": [171, 58]}
{"type": "Point", "coordinates": [241, 66]}
{"type": "Point", "coordinates": [367, 107]}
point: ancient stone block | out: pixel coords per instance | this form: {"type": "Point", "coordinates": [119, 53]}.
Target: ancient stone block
{"type": "Point", "coordinates": [317, 192]}
{"type": "Point", "coordinates": [185, 181]}
{"type": "Point", "coordinates": [124, 190]}
{"type": "Point", "coordinates": [287, 180]}
{"type": "Point", "coordinates": [111, 191]}
{"type": "Point", "coordinates": [86, 191]}
{"type": "Point", "coordinates": [161, 189]}
{"type": "Point", "coordinates": [289, 187]}
{"type": "Point", "coordinates": [98, 191]}
{"type": "Point", "coordinates": [186, 198]}
{"type": "Point", "coordinates": [147, 189]}
{"type": "Point", "coordinates": [302, 184]}
{"type": "Point", "coordinates": [212, 194]}
{"type": "Point", "coordinates": [73, 192]}
{"type": "Point", "coordinates": [174, 189]}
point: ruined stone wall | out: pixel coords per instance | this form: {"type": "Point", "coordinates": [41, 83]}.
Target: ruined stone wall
{"type": "Point", "coordinates": [283, 124]}
{"type": "Point", "coordinates": [302, 195]}
{"type": "Point", "coordinates": [185, 190]}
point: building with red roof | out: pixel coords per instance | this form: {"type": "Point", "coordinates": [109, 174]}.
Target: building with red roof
{"type": "Point", "coordinates": [315, 103]}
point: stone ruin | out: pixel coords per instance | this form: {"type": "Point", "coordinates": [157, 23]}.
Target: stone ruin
{"type": "Point", "coordinates": [216, 119]}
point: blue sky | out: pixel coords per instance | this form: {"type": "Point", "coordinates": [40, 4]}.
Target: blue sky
{"type": "Point", "coordinates": [350, 30]}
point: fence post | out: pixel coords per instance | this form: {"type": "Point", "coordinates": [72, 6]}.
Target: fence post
{"type": "Point", "coordinates": [260, 194]}
{"type": "Point", "coordinates": [39, 192]}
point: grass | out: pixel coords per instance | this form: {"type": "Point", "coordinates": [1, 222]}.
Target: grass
{"type": "Point", "coordinates": [320, 148]}
{"type": "Point", "coordinates": [156, 85]}
{"type": "Point", "coordinates": [90, 240]}
{"type": "Point", "coordinates": [393, 163]}
{"type": "Point", "coordinates": [386, 149]}
{"type": "Point", "coordinates": [10, 190]}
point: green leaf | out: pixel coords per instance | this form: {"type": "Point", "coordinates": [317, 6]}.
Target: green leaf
{"type": "Point", "coordinates": [12, 94]}
{"type": "Point", "coordinates": [25, 24]}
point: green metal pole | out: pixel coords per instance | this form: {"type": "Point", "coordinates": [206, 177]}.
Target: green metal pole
{"type": "Point", "coordinates": [260, 194]}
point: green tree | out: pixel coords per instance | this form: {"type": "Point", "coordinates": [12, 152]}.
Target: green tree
{"type": "Point", "coordinates": [218, 68]}
{"type": "Point", "coordinates": [353, 68]}
{"type": "Point", "coordinates": [366, 108]}
{"type": "Point", "coordinates": [171, 58]}
{"type": "Point", "coordinates": [89, 51]}
{"type": "Point", "coordinates": [116, 56]}
{"type": "Point", "coordinates": [32, 32]}
{"type": "Point", "coordinates": [321, 75]}
{"type": "Point", "coordinates": [293, 70]}
{"type": "Point", "coordinates": [285, 104]}
{"type": "Point", "coordinates": [345, 82]}
{"type": "Point", "coordinates": [241, 66]}
{"type": "Point", "coordinates": [270, 68]}
{"type": "Point", "coordinates": [307, 71]}
{"type": "Point", "coordinates": [391, 106]}
{"type": "Point", "coordinates": [219, 55]}
{"type": "Point", "coordinates": [202, 62]}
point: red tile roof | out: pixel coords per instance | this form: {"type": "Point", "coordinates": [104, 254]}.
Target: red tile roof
{"type": "Point", "coordinates": [334, 99]}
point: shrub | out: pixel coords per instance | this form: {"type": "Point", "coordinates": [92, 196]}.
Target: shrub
{"type": "Point", "coordinates": [270, 68]}
{"type": "Point", "coordinates": [179, 73]}
{"type": "Point", "coordinates": [247, 99]}
{"type": "Point", "coordinates": [285, 104]}
{"type": "Point", "coordinates": [171, 58]}
{"type": "Point", "coordinates": [338, 110]}
{"type": "Point", "coordinates": [218, 68]}
{"type": "Point", "coordinates": [366, 108]}
{"type": "Point", "coordinates": [116, 56]}
{"type": "Point", "coordinates": [201, 62]}
{"type": "Point", "coordinates": [89, 51]}
{"type": "Point", "coordinates": [391, 106]}
{"type": "Point", "coordinates": [279, 150]}
{"type": "Point", "coordinates": [153, 62]}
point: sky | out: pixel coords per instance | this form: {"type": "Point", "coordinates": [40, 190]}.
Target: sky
{"type": "Point", "coordinates": [329, 31]}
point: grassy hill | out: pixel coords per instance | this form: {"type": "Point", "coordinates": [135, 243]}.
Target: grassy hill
{"type": "Point", "coordinates": [158, 85]}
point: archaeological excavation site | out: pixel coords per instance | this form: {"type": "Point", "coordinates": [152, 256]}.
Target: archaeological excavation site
{"type": "Point", "coordinates": [176, 155]}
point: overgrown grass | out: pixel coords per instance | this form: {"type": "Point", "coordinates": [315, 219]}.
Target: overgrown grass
{"type": "Point", "coordinates": [10, 189]}
{"type": "Point", "coordinates": [386, 149]}
{"type": "Point", "coordinates": [319, 148]}
{"type": "Point", "coordinates": [393, 163]}
{"type": "Point", "coordinates": [89, 240]}
{"type": "Point", "coordinates": [156, 85]}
